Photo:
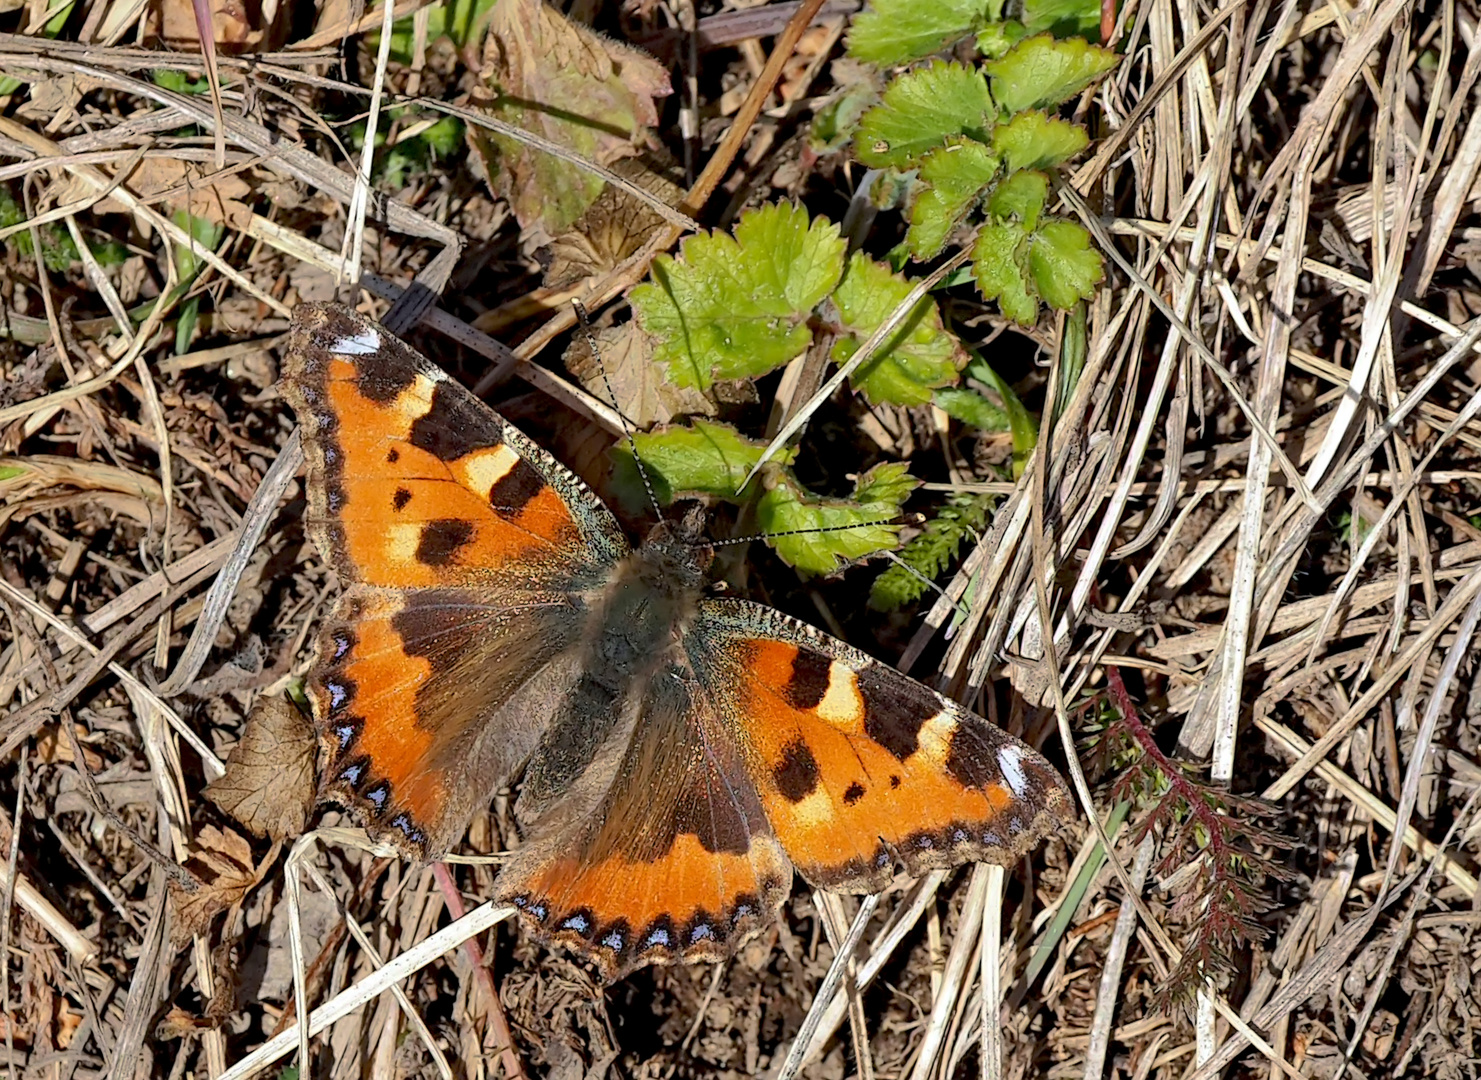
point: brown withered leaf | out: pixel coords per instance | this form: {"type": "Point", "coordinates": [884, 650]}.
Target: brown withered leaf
{"type": "Point", "coordinates": [644, 396]}
{"type": "Point", "coordinates": [221, 861]}
{"type": "Point", "coordinates": [561, 80]}
{"type": "Point", "coordinates": [269, 781]}
{"type": "Point", "coordinates": [615, 225]}
{"type": "Point", "coordinates": [181, 185]}
{"type": "Point", "coordinates": [237, 26]}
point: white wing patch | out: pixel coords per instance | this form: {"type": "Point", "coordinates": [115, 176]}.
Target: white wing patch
{"type": "Point", "coordinates": [1010, 760]}
{"type": "Point", "coordinates": [363, 343]}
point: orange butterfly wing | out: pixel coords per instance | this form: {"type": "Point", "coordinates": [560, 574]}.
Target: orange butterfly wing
{"type": "Point", "coordinates": [457, 538]}
{"type": "Point", "coordinates": [859, 767]}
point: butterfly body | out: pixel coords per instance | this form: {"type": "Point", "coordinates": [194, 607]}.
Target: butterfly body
{"type": "Point", "coordinates": [680, 753]}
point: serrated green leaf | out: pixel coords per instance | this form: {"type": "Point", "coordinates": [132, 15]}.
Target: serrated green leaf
{"type": "Point", "coordinates": [736, 307]}
{"type": "Point", "coordinates": [1020, 198]}
{"type": "Point", "coordinates": [1041, 71]}
{"type": "Point", "coordinates": [897, 31]}
{"type": "Point", "coordinates": [787, 507]}
{"type": "Point", "coordinates": [916, 359]}
{"type": "Point", "coordinates": [971, 408]}
{"type": "Point", "coordinates": [1063, 264]}
{"type": "Point", "coordinates": [702, 458]}
{"type": "Point", "coordinates": [998, 263]}
{"type": "Point", "coordinates": [951, 177]}
{"type": "Point", "coordinates": [920, 111]}
{"type": "Point", "coordinates": [1035, 140]}
{"type": "Point", "coordinates": [834, 124]}
{"type": "Point", "coordinates": [995, 39]}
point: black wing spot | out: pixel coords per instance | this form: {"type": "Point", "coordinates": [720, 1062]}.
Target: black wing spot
{"type": "Point", "coordinates": [809, 682]}
{"type": "Point", "coordinates": [441, 540]}
{"type": "Point", "coordinates": [853, 793]}
{"type": "Point", "coordinates": [392, 456]}
{"type": "Point", "coordinates": [400, 499]}
{"type": "Point", "coordinates": [516, 488]}
{"type": "Point", "coordinates": [895, 711]}
{"type": "Point", "coordinates": [796, 775]}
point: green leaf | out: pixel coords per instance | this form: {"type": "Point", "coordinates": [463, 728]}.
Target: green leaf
{"type": "Point", "coordinates": [703, 458]}
{"type": "Point", "coordinates": [920, 111]}
{"type": "Point", "coordinates": [912, 362]}
{"type": "Point", "coordinates": [1063, 18]}
{"type": "Point", "coordinates": [971, 408]}
{"type": "Point", "coordinates": [203, 233]}
{"type": "Point", "coordinates": [1021, 422]}
{"type": "Point", "coordinates": [997, 260]}
{"type": "Point", "coordinates": [735, 308]}
{"type": "Point", "coordinates": [834, 124]}
{"type": "Point", "coordinates": [1035, 140]}
{"type": "Point", "coordinates": [897, 31]}
{"type": "Point", "coordinates": [1020, 198]}
{"type": "Point", "coordinates": [453, 19]}
{"type": "Point", "coordinates": [170, 79]}
{"type": "Point", "coordinates": [877, 498]}
{"type": "Point", "coordinates": [1041, 71]}
{"type": "Point", "coordinates": [952, 177]}
{"type": "Point", "coordinates": [931, 552]}
{"type": "Point", "coordinates": [1063, 264]}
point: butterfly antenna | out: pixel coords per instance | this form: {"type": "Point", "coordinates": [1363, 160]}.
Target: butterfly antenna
{"type": "Point", "coordinates": [627, 428]}
{"type": "Point", "coordinates": [898, 519]}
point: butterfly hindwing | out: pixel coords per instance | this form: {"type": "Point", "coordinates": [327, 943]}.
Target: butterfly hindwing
{"type": "Point", "coordinates": [859, 767]}
{"type": "Point", "coordinates": [662, 852]}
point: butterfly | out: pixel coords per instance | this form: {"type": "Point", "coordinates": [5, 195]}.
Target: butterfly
{"type": "Point", "coordinates": [680, 753]}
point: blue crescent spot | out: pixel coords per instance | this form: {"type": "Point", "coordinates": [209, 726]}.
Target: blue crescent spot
{"type": "Point", "coordinates": [338, 694]}
{"type": "Point", "coordinates": [702, 931]}
{"type": "Point", "coordinates": [613, 940]}
{"type": "Point", "coordinates": [577, 922]}
{"type": "Point", "coordinates": [658, 936]}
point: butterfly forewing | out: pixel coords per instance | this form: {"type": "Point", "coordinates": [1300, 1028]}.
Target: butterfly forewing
{"type": "Point", "coordinates": [860, 767]}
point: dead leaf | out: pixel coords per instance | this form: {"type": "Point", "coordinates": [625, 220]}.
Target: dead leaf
{"type": "Point", "coordinates": [221, 861]}
{"type": "Point", "coordinates": [615, 225]}
{"type": "Point", "coordinates": [182, 185]}
{"type": "Point", "coordinates": [269, 781]}
{"type": "Point", "coordinates": [561, 80]}
{"type": "Point", "coordinates": [55, 749]}
{"type": "Point", "coordinates": [643, 395]}
{"type": "Point", "coordinates": [178, 1023]}
{"type": "Point", "coordinates": [238, 26]}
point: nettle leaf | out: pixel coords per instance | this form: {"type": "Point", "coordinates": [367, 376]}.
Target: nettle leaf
{"type": "Point", "coordinates": [952, 177]}
{"type": "Point", "coordinates": [878, 496]}
{"type": "Point", "coordinates": [703, 458]}
{"type": "Point", "coordinates": [1064, 265]}
{"type": "Point", "coordinates": [1041, 71]}
{"type": "Point", "coordinates": [898, 31]}
{"type": "Point", "coordinates": [1035, 140]}
{"type": "Point", "coordinates": [916, 359]}
{"type": "Point", "coordinates": [999, 261]}
{"type": "Point", "coordinates": [920, 111]}
{"type": "Point", "coordinates": [736, 307]}
{"type": "Point", "coordinates": [1020, 198]}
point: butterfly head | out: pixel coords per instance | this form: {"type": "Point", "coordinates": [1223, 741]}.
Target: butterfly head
{"type": "Point", "coordinates": [678, 549]}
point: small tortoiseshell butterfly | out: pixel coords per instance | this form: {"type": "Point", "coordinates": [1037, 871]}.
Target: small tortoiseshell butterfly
{"type": "Point", "coordinates": [681, 753]}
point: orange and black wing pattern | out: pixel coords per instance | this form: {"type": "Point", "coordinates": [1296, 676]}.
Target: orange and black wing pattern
{"type": "Point", "coordinates": [458, 540]}
{"type": "Point", "coordinates": [860, 768]}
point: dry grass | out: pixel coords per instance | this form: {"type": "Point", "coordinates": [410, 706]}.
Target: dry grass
{"type": "Point", "coordinates": [1259, 507]}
